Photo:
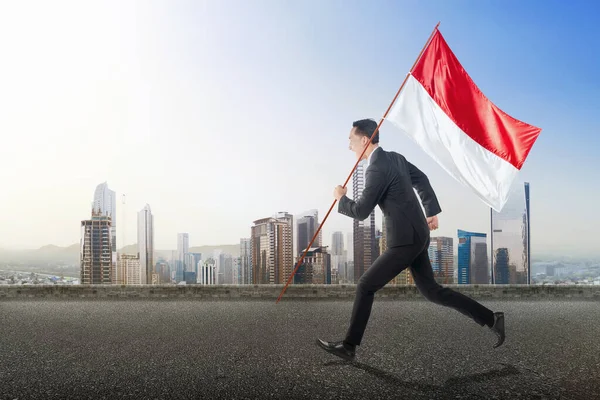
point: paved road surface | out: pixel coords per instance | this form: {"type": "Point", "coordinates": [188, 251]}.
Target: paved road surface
{"type": "Point", "coordinates": [262, 350]}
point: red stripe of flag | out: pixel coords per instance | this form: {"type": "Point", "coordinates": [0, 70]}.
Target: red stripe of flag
{"type": "Point", "coordinates": [447, 82]}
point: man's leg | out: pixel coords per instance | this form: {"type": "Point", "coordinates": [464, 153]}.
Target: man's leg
{"type": "Point", "coordinates": [384, 269]}
{"type": "Point", "coordinates": [422, 273]}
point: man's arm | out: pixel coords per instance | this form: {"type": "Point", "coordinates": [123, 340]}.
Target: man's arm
{"type": "Point", "coordinates": [376, 185]}
{"type": "Point", "coordinates": [421, 183]}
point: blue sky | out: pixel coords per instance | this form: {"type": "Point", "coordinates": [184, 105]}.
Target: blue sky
{"type": "Point", "coordinates": [219, 113]}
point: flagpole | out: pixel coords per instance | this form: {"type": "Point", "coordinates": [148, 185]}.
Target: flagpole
{"type": "Point", "coordinates": [358, 161]}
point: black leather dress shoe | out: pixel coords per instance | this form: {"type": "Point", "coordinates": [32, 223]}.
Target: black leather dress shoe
{"type": "Point", "coordinates": [498, 328]}
{"type": "Point", "coordinates": [338, 349]}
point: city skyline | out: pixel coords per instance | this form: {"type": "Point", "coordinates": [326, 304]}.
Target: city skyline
{"type": "Point", "coordinates": [277, 243]}
{"type": "Point", "coordinates": [104, 189]}
{"type": "Point", "coordinates": [159, 90]}
{"type": "Point", "coordinates": [268, 257]}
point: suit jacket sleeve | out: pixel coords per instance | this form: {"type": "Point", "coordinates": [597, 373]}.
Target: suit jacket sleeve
{"type": "Point", "coordinates": [375, 186]}
{"type": "Point", "coordinates": [421, 183]}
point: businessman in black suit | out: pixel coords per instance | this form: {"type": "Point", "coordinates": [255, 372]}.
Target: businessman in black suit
{"type": "Point", "coordinates": [390, 180]}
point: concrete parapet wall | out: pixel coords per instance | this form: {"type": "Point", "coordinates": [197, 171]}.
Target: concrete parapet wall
{"type": "Point", "coordinates": [293, 292]}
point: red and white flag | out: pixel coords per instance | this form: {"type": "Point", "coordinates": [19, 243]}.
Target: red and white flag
{"type": "Point", "coordinates": [444, 112]}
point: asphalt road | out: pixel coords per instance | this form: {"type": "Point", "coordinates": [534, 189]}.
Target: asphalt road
{"type": "Point", "coordinates": [256, 350]}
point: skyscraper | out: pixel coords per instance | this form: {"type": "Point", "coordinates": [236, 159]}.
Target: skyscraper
{"type": "Point", "coordinates": [365, 245]}
{"type": "Point", "coordinates": [183, 247]}
{"type": "Point", "coordinates": [350, 246]}
{"type": "Point", "coordinates": [338, 258]}
{"type": "Point", "coordinates": [96, 266]}
{"type": "Point", "coordinates": [226, 269]}
{"type": "Point", "coordinates": [105, 204]}
{"type": "Point", "coordinates": [237, 272]}
{"type": "Point", "coordinates": [510, 238]}
{"type": "Point", "coordinates": [245, 261]}
{"type": "Point", "coordinates": [146, 244]}
{"type": "Point", "coordinates": [285, 246]}
{"type": "Point", "coordinates": [272, 249]}
{"type": "Point", "coordinates": [441, 254]}
{"type": "Point", "coordinates": [307, 225]}
{"type": "Point", "coordinates": [473, 266]}
{"type": "Point", "coordinates": [337, 244]}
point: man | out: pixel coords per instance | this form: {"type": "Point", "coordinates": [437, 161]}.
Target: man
{"type": "Point", "coordinates": [390, 179]}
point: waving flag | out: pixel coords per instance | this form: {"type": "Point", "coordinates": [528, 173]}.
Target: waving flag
{"type": "Point", "coordinates": [439, 106]}
{"type": "Point", "coordinates": [444, 112]}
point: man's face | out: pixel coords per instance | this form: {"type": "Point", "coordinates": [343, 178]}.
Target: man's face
{"type": "Point", "coordinates": [357, 143]}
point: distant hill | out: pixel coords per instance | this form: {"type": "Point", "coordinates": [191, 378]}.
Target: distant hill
{"type": "Point", "coordinates": [70, 255]}
{"type": "Point", "coordinates": [43, 255]}
{"type": "Point", "coordinates": [129, 249]}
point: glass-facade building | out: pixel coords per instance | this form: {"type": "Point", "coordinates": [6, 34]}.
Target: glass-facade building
{"type": "Point", "coordinates": [510, 239]}
{"type": "Point", "coordinates": [441, 255]}
{"type": "Point", "coordinates": [473, 266]}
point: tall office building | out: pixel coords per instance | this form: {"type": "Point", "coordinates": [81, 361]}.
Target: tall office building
{"type": "Point", "coordinates": [285, 256]}
{"type": "Point", "coordinates": [175, 267]}
{"type": "Point", "coordinates": [338, 258]}
{"type": "Point", "coordinates": [511, 238]}
{"type": "Point", "coordinates": [350, 246]}
{"type": "Point", "coordinates": [365, 245]}
{"type": "Point", "coordinates": [96, 265]}
{"type": "Point", "coordinates": [183, 247]}
{"type": "Point", "coordinates": [145, 244]}
{"type": "Point", "coordinates": [272, 249]}
{"type": "Point", "coordinates": [473, 266]}
{"type": "Point", "coordinates": [105, 204]}
{"type": "Point", "coordinates": [225, 269]}
{"type": "Point", "coordinates": [245, 261]}
{"type": "Point", "coordinates": [337, 244]}
{"type": "Point", "coordinates": [121, 269]}
{"type": "Point", "coordinates": [347, 276]}
{"type": "Point", "coordinates": [441, 255]}
{"type": "Point", "coordinates": [502, 267]}
{"type": "Point", "coordinates": [237, 272]}
{"type": "Point", "coordinates": [307, 225]}
{"type": "Point", "coordinates": [218, 267]}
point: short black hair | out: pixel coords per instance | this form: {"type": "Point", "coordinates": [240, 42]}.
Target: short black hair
{"type": "Point", "coordinates": [366, 127]}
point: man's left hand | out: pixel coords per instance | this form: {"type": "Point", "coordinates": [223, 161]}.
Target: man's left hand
{"type": "Point", "coordinates": [339, 192]}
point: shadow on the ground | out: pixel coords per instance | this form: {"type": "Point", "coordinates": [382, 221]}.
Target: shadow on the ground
{"type": "Point", "coordinates": [452, 383]}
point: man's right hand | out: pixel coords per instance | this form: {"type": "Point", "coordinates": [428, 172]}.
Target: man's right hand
{"type": "Point", "coordinates": [432, 222]}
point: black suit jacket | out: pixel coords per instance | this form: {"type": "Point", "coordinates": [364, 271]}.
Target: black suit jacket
{"type": "Point", "coordinates": [389, 182]}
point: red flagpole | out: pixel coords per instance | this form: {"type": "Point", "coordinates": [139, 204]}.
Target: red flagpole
{"type": "Point", "coordinates": [358, 161]}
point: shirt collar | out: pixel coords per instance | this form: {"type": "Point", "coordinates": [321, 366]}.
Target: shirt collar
{"type": "Point", "coordinates": [371, 155]}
